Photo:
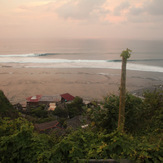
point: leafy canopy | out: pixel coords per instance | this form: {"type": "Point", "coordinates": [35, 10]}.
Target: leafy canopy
{"type": "Point", "coordinates": [126, 53]}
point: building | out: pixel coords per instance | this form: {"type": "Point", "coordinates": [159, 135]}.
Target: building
{"type": "Point", "coordinates": [39, 100]}
{"type": "Point", "coordinates": [33, 100]}
{"type": "Point", "coordinates": [49, 99]}
{"type": "Point", "coordinates": [52, 106]}
{"type": "Point", "coordinates": [47, 126]}
{"type": "Point", "coordinates": [67, 97]}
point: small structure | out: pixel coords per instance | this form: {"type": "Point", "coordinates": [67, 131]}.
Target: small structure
{"type": "Point", "coordinates": [52, 106]}
{"type": "Point", "coordinates": [66, 97]}
{"type": "Point", "coordinates": [47, 126]}
{"type": "Point", "coordinates": [33, 100]}
{"type": "Point", "coordinates": [49, 99]}
{"type": "Point", "coordinates": [77, 122]}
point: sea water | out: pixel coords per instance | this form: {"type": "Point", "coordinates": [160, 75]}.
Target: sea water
{"type": "Point", "coordinates": [75, 53]}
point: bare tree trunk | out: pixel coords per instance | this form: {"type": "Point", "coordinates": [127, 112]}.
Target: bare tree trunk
{"type": "Point", "coordinates": [121, 119]}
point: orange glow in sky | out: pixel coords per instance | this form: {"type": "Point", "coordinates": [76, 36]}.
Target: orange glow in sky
{"type": "Point", "coordinates": [81, 19]}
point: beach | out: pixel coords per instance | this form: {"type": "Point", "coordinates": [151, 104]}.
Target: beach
{"type": "Point", "coordinates": [90, 69]}
{"type": "Point", "coordinates": [88, 83]}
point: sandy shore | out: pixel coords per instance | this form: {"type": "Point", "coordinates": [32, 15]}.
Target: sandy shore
{"type": "Point", "coordinates": [19, 83]}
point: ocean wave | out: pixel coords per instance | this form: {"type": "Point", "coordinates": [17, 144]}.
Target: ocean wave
{"type": "Point", "coordinates": [82, 64]}
{"type": "Point", "coordinates": [33, 60]}
{"type": "Point", "coordinates": [23, 55]}
{"type": "Point", "coordinates": [37, 55]}
{"type": "Point", "coordinates": [134, 67]}
{"type": "Point", "coordinates": [135, 60]}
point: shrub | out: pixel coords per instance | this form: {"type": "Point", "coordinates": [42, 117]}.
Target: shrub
{"type": "Point", "coordinates": [61, 112]}
{"type": "Point", "coordinates": [6, 109]}
{"type": "Point", "coordinates": [153, 113]}
{"type": "Point", "coordinates": [106, 116]}
{"type": "Point", "coordinates": [118, 146]}
{"type": "Point", "coordinates": [75, 107]}
{"type": "Point", "coordinates": [39, 112]}
{"type": "Point", "coordinates": [19, 143]}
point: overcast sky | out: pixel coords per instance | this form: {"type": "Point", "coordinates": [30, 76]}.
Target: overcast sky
{"type": "Point", "coordinates": [131, 19]}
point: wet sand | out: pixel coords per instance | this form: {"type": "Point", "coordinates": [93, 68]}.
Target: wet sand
{"type": "Point", "coordinates": [19, 83]}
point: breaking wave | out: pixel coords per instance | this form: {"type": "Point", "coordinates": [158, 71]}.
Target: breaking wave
{"type": "Point", "coordinates": [51, 54]}
{"type": "Point", "coordinates": [35, 61]}
{"type": "Point", "coordinates": [136, 60]}
{"type": "Point", "coordinates": [105, 65]}
{"type": "Point", "coordinates": [23, 55]}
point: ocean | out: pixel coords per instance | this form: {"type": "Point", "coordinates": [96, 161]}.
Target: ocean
{"type": "Point", "coordinates": [89, 68]}
{"type": "Point", "coordinates": [91, 53]}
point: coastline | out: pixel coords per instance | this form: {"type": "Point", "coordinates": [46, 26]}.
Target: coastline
{"type": "Point", "coordinates": [20, 83]}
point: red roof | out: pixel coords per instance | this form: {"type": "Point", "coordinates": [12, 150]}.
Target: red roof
{"type": "Point", "coordinates": [67, 97]}
{"type": "Point", "coordinates": [47, 125]}
{"type": "Point", "coordinates": [34, 98]}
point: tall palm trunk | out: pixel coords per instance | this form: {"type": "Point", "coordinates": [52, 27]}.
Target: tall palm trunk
{"type": "Point", "coordinates": [121, 119]}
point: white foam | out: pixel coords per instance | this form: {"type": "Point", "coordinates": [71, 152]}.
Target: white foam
{"type": "Point", "coordinates": [20, 55]}
{"type": "Point", "coordinates": [140, 67]}
{"type": "Point", "coordinates": [45, 60]}
{"type": "Point", "coordinates": [37, 62]}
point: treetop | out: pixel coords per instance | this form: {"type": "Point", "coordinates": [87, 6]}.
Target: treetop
{"type": "Point", "coordinates": [126, 53]}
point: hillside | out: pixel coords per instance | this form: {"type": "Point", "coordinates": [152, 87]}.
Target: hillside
{"type": "Point", "coordinates": [6, 109]}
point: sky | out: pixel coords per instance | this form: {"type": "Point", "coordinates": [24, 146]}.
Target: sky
{"type": "Point", "coordinates": [82, 19]}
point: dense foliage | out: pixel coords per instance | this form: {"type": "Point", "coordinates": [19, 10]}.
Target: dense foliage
{"type": "Point", "coordinates": [153, 113]}
{"type": "Point", "coordinates": [70, 109]}
{"type": "Point", "coordinates": [22, 144]}
{"type": "Point", "coordinates": [38, 112]}
{"type": "Point", "coordinates": [6, 109]}
{"type": "Point", "coordinates": [75, 107]}
{"type": "Point", "coordinates": [142, 141]}
{"type": "Point", "coordinates": [141, 116]}
{"type": "Point", "coordinates": [19, 143]}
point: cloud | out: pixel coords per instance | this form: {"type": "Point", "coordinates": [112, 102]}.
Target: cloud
{"type": "Point", "coordinates": [155, 7]}
{"type": "Point", "coordinates": [148, 12]}
{"type": "Point", "coordinates": [81, 9]}
{"type": "Point", "coordinates": [123, 6]}
{"type": "Point", "coordinates": [136, 10]}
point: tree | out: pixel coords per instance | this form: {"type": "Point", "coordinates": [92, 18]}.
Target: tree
{"type": "Point", "coordinates": [75, 107]}
{"type": "Point", "coordinates": [6, 108]}
{"type": "Point", "coordinates": [19, 142]}
{"type": "Point", "coordinates": [121, 120]}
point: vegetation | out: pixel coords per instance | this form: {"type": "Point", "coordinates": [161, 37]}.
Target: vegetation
{"type": "Point", "coordinates": [70, 109]}
{"type": "Point", "coordinates": [19, 142]}
{"type": "Point", "coordinates": [107, 117]}
{"type": "Point", "coordinates": [141, 141]}
{"type": "Point", "coordinates": [6, 109]}
{"type": "Point", "coordinates": [75, 107]}
{"type": "Point", "coordinates": [38, 112]}
{"type": "Point", "coordinates": [153, 112]}
{"type": "Point", "coordinates": [61, 111]}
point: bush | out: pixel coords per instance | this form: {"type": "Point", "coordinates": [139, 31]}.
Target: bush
{"type": "Point", "coordinates": [85, 144]}
{"type": "Point", "coordinates": [118, 146]}
{"type": "Point", "coordinates": [153, 113]}
{"type": "Point", "coordinates": [106, 117]}
{"type": "Point", "coordinates": [74, 147]}
{"type": "Point", "coordinates": [19, 143]}
{"type": "Point", "coordinates": [6, 109]}
{"type": "Point", "coordinates": [70, 109]}
{"type": "Point", "coordinates": [39, 112]}
{"type": "Point", "coordinates": [61, 112]}
{"type": "Point", "coordinates": [75, 107]}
